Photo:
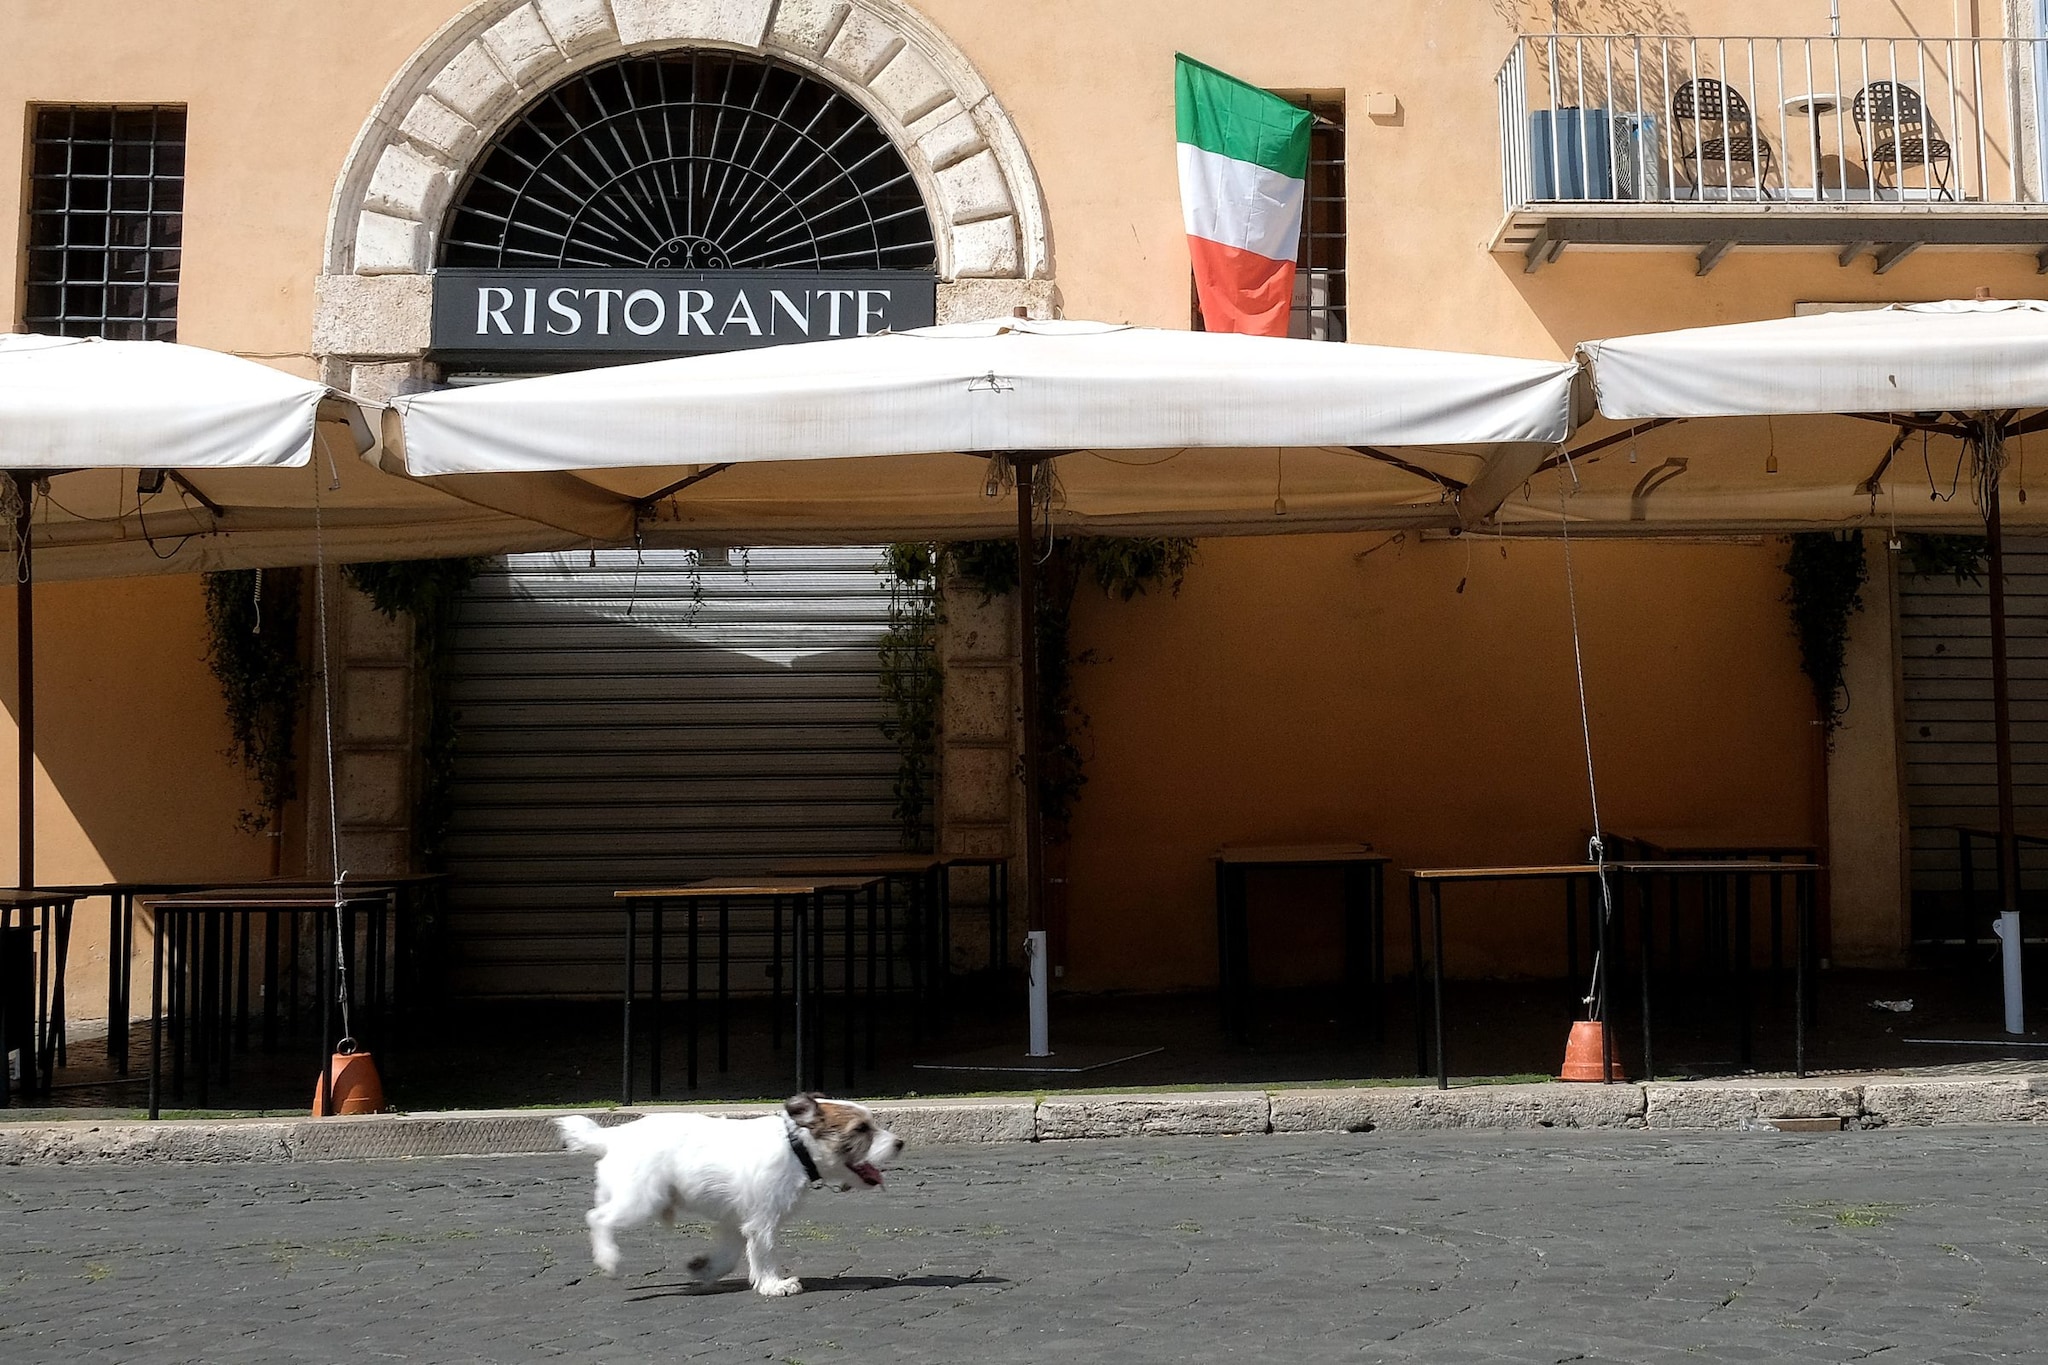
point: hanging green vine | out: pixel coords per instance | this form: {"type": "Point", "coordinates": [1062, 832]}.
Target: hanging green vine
{"type": "Point", "coordinates": [252, 621]}
{"type": "Point", "coordinates": [427, 590]}
{"type": "Point", "coordinates": [1930, 556]}
{"type": "Point", "coordinates": [913, 683]}
{"type": "Point", "coordinates": [1827, 573]}
{"type": "Point", "coordinates": [1122, 567]}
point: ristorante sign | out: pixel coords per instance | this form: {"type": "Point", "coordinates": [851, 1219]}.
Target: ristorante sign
{"type": "Point", "coordinates": [503, 315]}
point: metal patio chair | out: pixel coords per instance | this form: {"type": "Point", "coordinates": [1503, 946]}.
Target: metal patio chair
{"type": "Point", "coordinates": [1892, 124]}
{"type": "Point", "coordinates": [1705, 104]}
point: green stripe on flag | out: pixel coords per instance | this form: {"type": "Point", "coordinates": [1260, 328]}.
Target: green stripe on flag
{"type": "Point", "coordinates": [1221, 114]}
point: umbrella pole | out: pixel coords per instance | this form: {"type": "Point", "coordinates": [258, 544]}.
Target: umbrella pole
{"type": "Point", "coordinates": [25, 677]}
{"type": "Point", "coordinates": [1034, 831]}
{"type": "Point", "coordinates": [1990, 451]}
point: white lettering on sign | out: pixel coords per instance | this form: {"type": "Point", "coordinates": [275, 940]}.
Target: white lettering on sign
{"type": "Point", "coordinates": [491, 303]}
{"type": "Point", "coordinates": [691, 306]}
{"type": "Point", "coordinates": [780, 302]}
{"type": "Point", "coordinates": [660, 312]}
{"type": "Point", "coordinates": [875, 312]}
{"type": "Point", "coordinates": [561, 310]}
{"type": "Point", "coordinates": [637, 314]}
{"type": "Point", "coordinates": [604, 308]}
{"type": "Point", "coordinates": [833, 296]}
{"type": "Point", "coordinates": [741, 313]}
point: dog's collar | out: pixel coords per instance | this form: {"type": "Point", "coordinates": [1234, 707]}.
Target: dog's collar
{"type": "Point", "coordinates": [800, 1152]}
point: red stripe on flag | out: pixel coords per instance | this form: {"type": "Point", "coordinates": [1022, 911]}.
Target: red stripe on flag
{"type": "Point", "coordinates": [1241, 291]}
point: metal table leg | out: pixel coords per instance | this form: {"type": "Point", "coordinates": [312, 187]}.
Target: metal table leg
{"type": "Point", "coordinates": [1742, 956]}
{"type": "Point", "coordinates": [626, 1048]}
{"type": "Point", "coordinates": [724, 980]}
{"type": "Point", "coordinates": [657, 952]}
{"type": "Point", "coordinates": [156, 1017]}
{"type": "Point", "coordinates": [1802, 892]}
{"type": "Point", "coordinates": [1415, 974]}
{"type": "Point", "coordinates": [325, 982]}
{"type": "Point", "coordinates": [868, 1006]}
{"type": "Point", "coordinates": [1436, 975]}
{"type": "Point", "coordinates": [1646, 893]}
{"type": "Point", "coordinates": [846, 1028]}
{"type": "Point", "coordinates": [690, 1014]}
{"type": "Point", "coordinates": [799, 985]}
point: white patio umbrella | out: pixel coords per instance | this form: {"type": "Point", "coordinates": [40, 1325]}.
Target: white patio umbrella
{"type": "Point", "coordinates": [1972, 371]}
{"type": "Point", "coordinates": [1148, 430]}
{"type": "Point", "coordinates": [146, 457]}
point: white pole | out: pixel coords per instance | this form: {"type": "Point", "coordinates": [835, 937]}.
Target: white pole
{"type": "Point", "coordinates": [1041, 1026]}
{"type": "Point", "coordinates": [1834, 18]}
{"type": "Point", "coordinates": [2008, 931]}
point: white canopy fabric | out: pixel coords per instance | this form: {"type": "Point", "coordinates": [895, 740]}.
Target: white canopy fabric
{"type": "Point", "coordinates": [1827, 421]}
{"type": "Point", "coordinates": [234, 443]}
{"type": "Point", "coordinates": [1162, 431]}
{"type": "Point", "coordinates": [80, 402]}
{"type": "Point", "coordinates": [1960, 355]}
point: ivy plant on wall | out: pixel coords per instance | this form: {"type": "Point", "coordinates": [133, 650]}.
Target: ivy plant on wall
{"type": "Point", "coordinates": [913, 678]}
{"type": "Point", "coordinates": [252, 622]}
{"type": "Point", "coordinates": [1932, 556]}
{"type": "Point", "coordinates": [913, 682]}
{"type": "Point", "coordinates": [427, 590]}
{"type": "Point", "coordinates": [1827, 573]}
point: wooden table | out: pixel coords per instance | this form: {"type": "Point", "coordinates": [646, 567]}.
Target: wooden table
{"type": "Point", "coordinates": [1967, 836]}
{"type": "Point", "coordinates": [410, 889]}
{"type": "Point", "coordinates": [998, 869]}
{"type": "Point", "coordinates": [199, 969]}
{"type": "Point", "coordinates": [37, 981]}
{"type": "Point", "coordinates": [807, 898]}
{"type": "Point", "coordinates": [923, 876]}
{"type": "Point", "coordinates": [1697, 845]}
{"type": "Point", "coordinates": [1737, 873]}
{"type": "Point", "coordinates": [1364, 875]}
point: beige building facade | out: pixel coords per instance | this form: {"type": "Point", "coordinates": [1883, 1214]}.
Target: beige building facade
{"type": "Point", "coordinates": [1412, 691]}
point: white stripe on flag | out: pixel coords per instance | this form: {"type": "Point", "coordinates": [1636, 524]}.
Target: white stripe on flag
{"type": "Point", "coordinates": [1238, 204]}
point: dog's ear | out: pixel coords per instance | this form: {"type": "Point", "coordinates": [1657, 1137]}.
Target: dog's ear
{"type": "Point", "coordinates": [803, 1110]}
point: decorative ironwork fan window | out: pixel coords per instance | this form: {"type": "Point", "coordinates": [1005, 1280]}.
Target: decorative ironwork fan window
{"type": "Point", "coordinates": [692, 161]}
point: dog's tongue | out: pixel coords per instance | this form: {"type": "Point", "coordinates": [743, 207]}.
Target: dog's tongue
{"type": "Point", "coordinates": [866, 1172]}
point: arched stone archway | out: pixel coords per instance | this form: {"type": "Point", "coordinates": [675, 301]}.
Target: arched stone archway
{"type": "Point", "coordinates": [442, 111]}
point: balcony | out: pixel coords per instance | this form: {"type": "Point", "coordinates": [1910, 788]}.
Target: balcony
{"type": "Point", "coordinates": [1871, 147]}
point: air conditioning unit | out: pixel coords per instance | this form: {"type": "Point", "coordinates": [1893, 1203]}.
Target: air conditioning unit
{"type": "Point", "coordinates": [1638, 168]}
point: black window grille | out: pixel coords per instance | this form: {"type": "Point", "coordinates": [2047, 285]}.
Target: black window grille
{"type": "Point", "coordinates": [1319, 294]}
{"type": "Point", "coordinates": [692, 160]}
{"type": "Point", "coordinates": [1318, 313]}
{"type": "Point", "coordinates": [106, 221]}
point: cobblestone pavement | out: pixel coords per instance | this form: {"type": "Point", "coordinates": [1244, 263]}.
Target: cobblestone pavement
{"type": "Point", "coordinates": [1557, 1246]}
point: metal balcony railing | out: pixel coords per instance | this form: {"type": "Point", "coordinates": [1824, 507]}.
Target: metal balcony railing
{"type": "Point", "coordinates": [1697, 121]}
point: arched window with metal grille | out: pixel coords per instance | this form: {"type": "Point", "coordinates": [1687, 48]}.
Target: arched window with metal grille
{"type": "Point", "coordinates": [694, 160]}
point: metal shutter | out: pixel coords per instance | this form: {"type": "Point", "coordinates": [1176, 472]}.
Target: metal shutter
{"type": "Point", "coordinates": [645, 725]}
{"type": "Point", "coordinates": [1945, 644]}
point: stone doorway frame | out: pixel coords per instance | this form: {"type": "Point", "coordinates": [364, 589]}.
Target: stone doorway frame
{"type": "Point", "coordinates": [374, 298]}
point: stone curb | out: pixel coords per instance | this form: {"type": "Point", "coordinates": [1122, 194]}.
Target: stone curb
{"type": "Point", "coordinates": [1874, 1102]}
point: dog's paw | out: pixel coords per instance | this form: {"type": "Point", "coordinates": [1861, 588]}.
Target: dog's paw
{"type": "Point", "coordinates": [780, 1289]}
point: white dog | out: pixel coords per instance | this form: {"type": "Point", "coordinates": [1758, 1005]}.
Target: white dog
{"type": "Point", "coordinates": [744, 1175]}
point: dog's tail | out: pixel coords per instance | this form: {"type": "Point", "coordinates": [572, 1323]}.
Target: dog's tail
{"type": "Point", "coordinates": [582, 1135]}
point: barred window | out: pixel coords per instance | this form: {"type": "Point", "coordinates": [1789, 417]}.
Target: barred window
{"type": "Point", "coordinates": [106, 219]}
{"type": "Point", "coordinates": [1318, 313]}
{"type": "Point", "coordinates": [1319, 295]}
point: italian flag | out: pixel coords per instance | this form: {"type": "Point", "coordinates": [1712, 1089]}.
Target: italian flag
{"type": "Point", "coordinates": [1243, 176]}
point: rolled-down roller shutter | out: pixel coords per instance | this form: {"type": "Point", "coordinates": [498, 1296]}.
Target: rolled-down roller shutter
{"type": "Point", "coordinates": [1951, 774]}
{"type": "Point", "coordinates": [646, 724]}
